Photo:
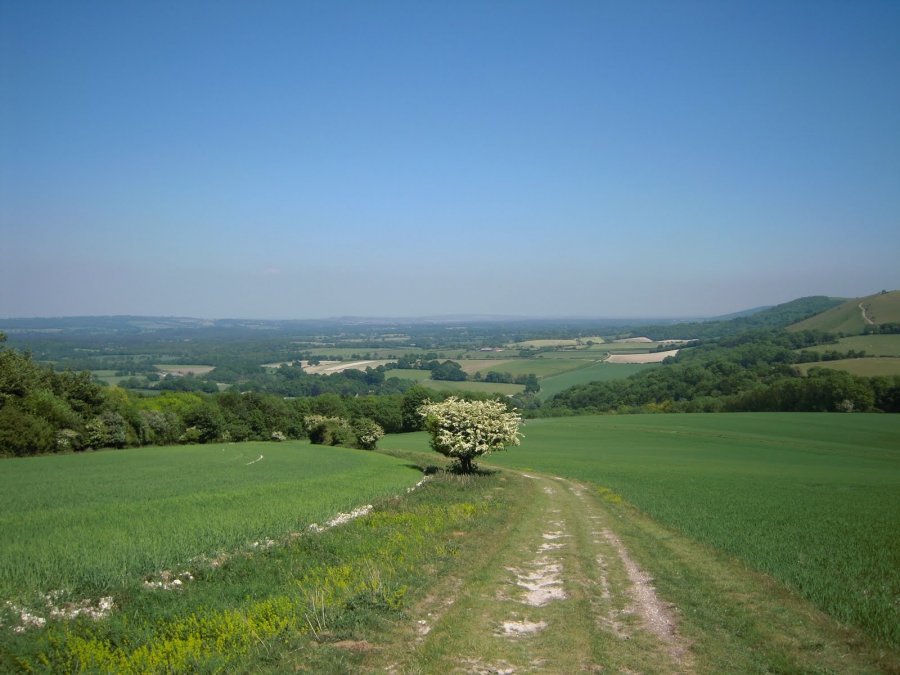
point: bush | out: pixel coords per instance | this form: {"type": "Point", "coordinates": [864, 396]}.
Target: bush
{"type": "Point", "coordinates": [464, 430]}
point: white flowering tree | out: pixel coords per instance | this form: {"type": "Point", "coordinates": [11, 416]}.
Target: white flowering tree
{"type": "Point", "coordinates": [464, 430]}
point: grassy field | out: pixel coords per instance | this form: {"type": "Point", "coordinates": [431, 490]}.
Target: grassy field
{"type": "Point", "coordinates": [280, 608]}
{"type": "Point", "coordinates": [196, 369]}
{"type": "Point", "coordinates": [812, 499]}
{"type": "Point", "coordinates": [409, 374]}
{"type": "Point", "coordinates": [848, 318]}
{"type": "Point", "coordinates": [109, 376]}
{"type": "Point", "coordinates": [90, 522]}
{"type": "Point", "coordinates": [540, 367]}
{"type": "Point", "coordinates": [593, 372]}
{"type": "Point", "coordinates": [428, 581]}
{"type": "Point", "coordinates": [872, 345]}
{"type": "Point", "coordinates": [490, 387]}
{"type": "Point", "coordinates": [867, 367]}
{"type": "Point", "coordinates": [360, 353]}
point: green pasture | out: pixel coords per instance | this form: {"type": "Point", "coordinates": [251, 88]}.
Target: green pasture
{"type": "Point", "coordinates": [89, 522]}
{"type": "Point", "coordinates": [812, 499]}
{"type": "Point", "coordinates": [867, 367]}
{"type": "Point", "coordinates": [360, 353]}
{"type": "Point", "coordinates": [597, 351]}
{"type": "Point", "coordinates": [109, 376]}
{"type": "Point", "coordinates": [409, 374]}
{"type": "Point", "coordinates": [477, 364]}
{"type": "Point", "coordinates": [540, 367]}
{"type": "Point", "coordinates": [847, 317]}
{"type": "Point", "coordinates": [872, 345]}
{"type": "Point", "coordinates": [593, 372]}
{"type": "Point", "coordinates": [195, 369]}
{"type": "Point", "coordinates": [481, 387]}
{"type": "Point", "coordinates": [543, 344]}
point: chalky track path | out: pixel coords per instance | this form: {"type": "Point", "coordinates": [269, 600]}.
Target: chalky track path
{"type": "Point", "coordinates": [558, 593]}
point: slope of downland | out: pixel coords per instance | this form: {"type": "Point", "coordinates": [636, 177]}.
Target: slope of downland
{"type": "Point", "coordinates": [95, 521]}
{"type": "Point", "coordinates": [573, 579]}
{"type": "Point", "coordinates": [498, 572]}
{"type": "Point", "coordinates": [812, 499]}
{"type": "Point", "coordinates": [852, 317]}
{"type": "Point", "coordinates": [778, 316]}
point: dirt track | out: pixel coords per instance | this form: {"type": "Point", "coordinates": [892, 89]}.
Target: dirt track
{"type": "Point", "coordinates": [559, 594]}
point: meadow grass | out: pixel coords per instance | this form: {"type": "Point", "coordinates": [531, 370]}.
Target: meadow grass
{"type": "Point", "coordinates": [867, 367]}
{"type": "Point", "coordinates": [812, 499]}
{"type": "Point", "coordinates": [91, 522]}
{"type": "Point", "coordinates": [408, 374]}
{"type": "Point", "coordinates": [872, 345]}
{"type": "Point", "coordinates": [473, 365]}
{"type": "Point", "coordinates": [481, 387]}
{"type": "Point", "coordinates": [286, 608]}
{"type": "Point", "coordinates": [540, 367]}
{"type": "Point", "coordinates": [593, 372]}
{"type": "Point", "coordinates": [195, 369]}
{"type": "Point", "coordinates": [356, 353]}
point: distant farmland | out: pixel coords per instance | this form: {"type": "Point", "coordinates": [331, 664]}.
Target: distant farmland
{"type": "Point", "coordinates": [600, 371]}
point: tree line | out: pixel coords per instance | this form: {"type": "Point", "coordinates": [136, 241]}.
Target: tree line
{"type": "Point", "coordinates": [47, 411]}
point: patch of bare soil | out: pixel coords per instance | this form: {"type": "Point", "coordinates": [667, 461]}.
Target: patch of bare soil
{"type": "Point", "coordinates": [654, 357]}
{"type": "Point", "coordinates": [637, 340]}
{"type": "Point", "coordinates": [519, 628]}
{"type": "Point", "coordinates": [658, 619]}
{"type": "Point", "coordinates": [330, 367]}
{"type": "Point", "coordinates": [354, 645]}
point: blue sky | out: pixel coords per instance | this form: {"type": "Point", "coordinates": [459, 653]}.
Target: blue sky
{"type": "Point", "coordinates": [313, 159]}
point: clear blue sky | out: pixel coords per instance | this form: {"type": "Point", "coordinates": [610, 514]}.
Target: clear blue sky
{"type": "Point", "coordinates": [311, 159]}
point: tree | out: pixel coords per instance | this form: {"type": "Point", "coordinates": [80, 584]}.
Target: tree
{"type": "Point", "coordinates": [412, 402]}
{"type": "Point", "coordinates": [464, 430]}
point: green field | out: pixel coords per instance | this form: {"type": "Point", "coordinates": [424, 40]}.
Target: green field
{"type": "Point", "coordinates": [481, 387]}
{"type": "Point", "coordinates": [848, 318]}
{"type": "Point", "coordinates": [409, 374]}
{"type": "Point", "coordinates": [867, 367]}
{"type": "Point", "coordinates": [109, 376]}
{"type": "Point", "coordinates": [360, 353]}
{"type": "Point", "coordinates": [594, 372]}
{"type": "Point", "coordinates": [872, 345]}
{"type": "Point", "coordinates": [812, 499]}
{"type": "Point", "coordinates": [89, 522]}
{"type": "Point", "coordinates": [540, 367]}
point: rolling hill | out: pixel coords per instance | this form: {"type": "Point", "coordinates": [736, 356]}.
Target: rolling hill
{"type": "Point", "coordinates": [852, 317]}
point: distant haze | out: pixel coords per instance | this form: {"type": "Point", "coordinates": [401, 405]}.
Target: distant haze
{"type": "Point", "coordinates": [300, 159]}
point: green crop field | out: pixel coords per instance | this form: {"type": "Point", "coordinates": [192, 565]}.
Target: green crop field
{"type": "Point", "coordinates": [474, 365]}
{"type": "Point", "coordinates": [90, 522]}
{"type": "Point", "coordinates": [109, 376]}
{"type": "Point", "coordinates": [540, 367]}
{"type": "Point", "coordinates": [872, 345]}
{"type": "Point", "coordinates": [409, 374]}
{"type": "Point", "coordinates": [812, 499]}
{"type": "Point", "coordinates": [867, 367]}
{"type": "Point", "coordinates": [489, 387]}
{"type": "Point", "coordinates": [848, 317]}
{"type": "Point", "coordinates": [359, 353]}
{"type": "Point", "coordinates": [594, 372]}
